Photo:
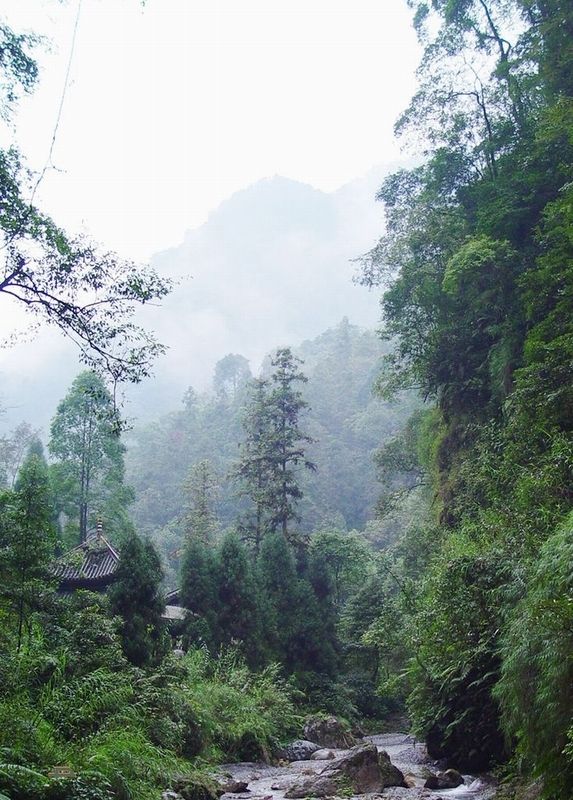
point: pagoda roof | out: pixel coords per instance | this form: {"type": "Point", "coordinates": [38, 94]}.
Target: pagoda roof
{"type": "Point", "coordinates": [90, 565]}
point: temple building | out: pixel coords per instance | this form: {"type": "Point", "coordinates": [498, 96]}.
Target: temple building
{"type": "Point", "coordinates": [90, 566]}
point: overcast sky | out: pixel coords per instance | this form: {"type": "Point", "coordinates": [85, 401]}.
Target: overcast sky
{"type": "Point", "coordinates": [175, 104]}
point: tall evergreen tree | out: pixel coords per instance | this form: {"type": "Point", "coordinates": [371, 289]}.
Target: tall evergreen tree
{"type": "Point", "coordinates": [27, 539]}
{"type": "Point", "coordinates": [136, 598]}
{"type": "Point", "coordinates": [199, 592]}
{"type": "Point", "coordinates": [239, 613]}
{"type": "Point", "coordinates": [287, 452]}
{"type": "Point", "coordinates": [89, 470]}
{"type": "Point", "coordinates": [200, 490]}
{"type": "Point", "coordinates": [273, 450]}
{"type": "Point", "coordinates": [253, 470]}
{"type": "Point", "coordinates": [300, 635]}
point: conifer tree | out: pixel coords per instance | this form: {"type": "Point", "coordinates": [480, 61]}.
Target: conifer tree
{"type": "Point", "coordinates": [253, 471]}
{"type": "Point", "coordinates": [136, 598]}
{"type": "Point", "coordinates": [280, 597]}
{"type": "Point", "coordinates": [199, 592]}
{"type": "Point", "coordinates": [273, 451]}
{"type": "Point", "coordinates": [299, 635]}
{"type": "Point", "coordinates": [200, 488]}
{"type": "Point", "coordinates": [287, 455]}
{"type": "Point", "coordinates": [239, 613]}
{"type": "Point", "coordinates": [28, 539]}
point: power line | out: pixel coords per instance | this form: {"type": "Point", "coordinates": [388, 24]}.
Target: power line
{"type": "Point", "coordinates": [49, 162]}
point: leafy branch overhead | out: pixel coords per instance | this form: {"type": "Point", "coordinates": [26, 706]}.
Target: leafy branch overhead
{"type": "Point", "coordinates": [90, 295]}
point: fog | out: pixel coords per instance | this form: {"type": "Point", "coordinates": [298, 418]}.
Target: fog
{"type": "Point", "coordinates": [270, 267]}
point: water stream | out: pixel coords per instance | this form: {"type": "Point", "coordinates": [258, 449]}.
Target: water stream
{"type": "Point", "coordinates": [270, 783]}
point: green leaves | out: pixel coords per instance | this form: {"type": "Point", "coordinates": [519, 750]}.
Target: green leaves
{"type": "Point", "coordinates": [136, 597]}
{"type": "Point", "coordinates": [89, 295]}
{"type": "Point", "coordinates": [536, 647]}
{"type": "Point", "coordinates": [273, 452]}
{"type": "Point", "coordinates": [88, 473]}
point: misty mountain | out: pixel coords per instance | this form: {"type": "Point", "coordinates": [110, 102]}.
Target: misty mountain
{"type": "Point", "coordinates": [271, 266]}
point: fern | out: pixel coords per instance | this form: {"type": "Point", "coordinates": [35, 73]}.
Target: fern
{"type": "Point", "coordinates": [82, 704]}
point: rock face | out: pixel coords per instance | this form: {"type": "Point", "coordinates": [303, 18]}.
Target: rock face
{"type": "Point", "coordinates": [300, 750]}
{"type": "Point", "coordinates": [328, 732]}
{"type": "Point", "coordinates": [361, 771]}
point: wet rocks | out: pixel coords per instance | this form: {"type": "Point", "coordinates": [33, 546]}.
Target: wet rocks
{"type": "Point", "coordinates": [361, 771]}
{"type": "Point", "coordinates": [410, 781]}
{"type": "Point", "coordinates": [322, 755]}
{"type": "Point", "coordinates": [328, 732]}
{"type": "Point", "coordinates": [234, 787]}
{"type": "Point", "coordinates": [300, 750]}
{"type": "Point", "coordinates": [391, 775]}
{"type": "Point", "coordinates": [444, 780]}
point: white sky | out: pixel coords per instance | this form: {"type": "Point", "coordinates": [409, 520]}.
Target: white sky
{"type": "Point", "coordinates": [176, 104]}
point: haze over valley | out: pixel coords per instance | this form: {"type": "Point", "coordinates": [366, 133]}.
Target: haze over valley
{"type": "Point", "coordinates": [271, 266]}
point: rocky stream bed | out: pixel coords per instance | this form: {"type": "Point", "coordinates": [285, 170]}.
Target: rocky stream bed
{"type": "Point", "coordinates": [310, 778]}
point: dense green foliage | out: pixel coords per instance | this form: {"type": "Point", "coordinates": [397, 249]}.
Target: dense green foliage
{"type": "Point", "coordinates": [27, 542]}
{"type": "Point", "coordinates": [476, 265]}
{"type": "Point", "coordinates": [72, 699]}
{"type": "Point", "coordinates": [466, 616]}
{"type": "Point", "coordinates": [88, 470]}
{"type": "Point", "coordinates": [136, 597]}
{"type": "Point", "coordinates": [232, 432]}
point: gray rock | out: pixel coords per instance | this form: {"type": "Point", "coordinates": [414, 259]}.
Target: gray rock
{"type": "Point", "coordinates": [432, 782]}
{"type": "Point", "coordinates": [300, 750]}
{"type": "Point", "coordinates": [234, 787]}
{"type": "Point", "coordinates": [328, 732]}
{"type": "Point", "coordinates": [169, 795]}
{"type": "Point", "coordinates": [410, 781]}
{"type": "Point", "coordinates": [444, 780]}
{"type": "Point", "coordinates": [322, 755]}
{"type": "Point", "coordinates": [361, 771]}
{"type": "Point", "coordinates": [391, 775]}
{"type": "Point", "coordinates": [450, 779]}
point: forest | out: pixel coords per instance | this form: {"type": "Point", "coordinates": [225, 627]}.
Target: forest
{"type": "Point", "coordinates": [375, 526]}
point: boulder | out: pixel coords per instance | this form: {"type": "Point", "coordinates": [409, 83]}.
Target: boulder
{"type": "Point", "coordinates": [444, 780]}
{"type": "Point", "coordinates": [450, 779]}
{"type": "Point", "coordinates": [300, 750]}
{"type": "Point", "coordinates": [391, 775]}
{"type": "Point", "coordinates": [328, 732]}
{"type": "Point", "coordinates": [197, 787]}
{"type": "Point", "coordinates": [322, 755]}
{"type": "Point", "coordinates": [234, 787]}
{"type": "Point", "coordinates": [431, 782]}
{"type": "Point", "coordinates": [361, 771]}
{"type": "Point", "coordinates": [410, 781]}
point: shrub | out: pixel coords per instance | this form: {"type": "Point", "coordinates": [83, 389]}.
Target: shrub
{"type": "Point", "coordinates": [537, 648]}
{"type": "Point", "coordinates": [236, 709]}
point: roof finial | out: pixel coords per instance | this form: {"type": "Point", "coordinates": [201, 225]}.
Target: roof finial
{"type": "Point", "coordinates": [99, 528]}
